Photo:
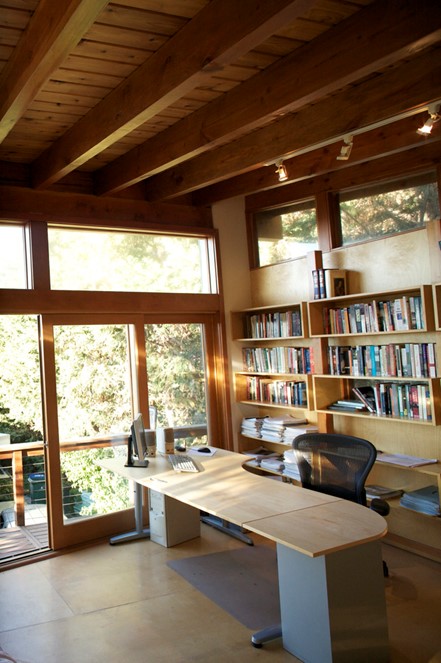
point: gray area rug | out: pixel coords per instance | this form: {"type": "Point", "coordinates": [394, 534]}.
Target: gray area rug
{"type": "Point", "coordinates": [242, 581]}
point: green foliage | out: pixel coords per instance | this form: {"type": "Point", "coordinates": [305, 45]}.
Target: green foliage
{"type": "Point", "coordinates": [93, 380]}
{"type": "Point", "coordinates": [388, 213]}
{"type": "Point", "coordinates": [109, 492]}
{"type": "Point", "coordinates": [176, 373]}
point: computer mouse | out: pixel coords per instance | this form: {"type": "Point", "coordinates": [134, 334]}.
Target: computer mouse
{"type": "Point", "coordinates": [204, 450]}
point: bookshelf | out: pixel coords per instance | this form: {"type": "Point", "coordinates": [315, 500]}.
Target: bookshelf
{"type": "Point", "coordinates": [277, 361]}
{"type": "Point", "coordinates": [398, 357]}
{"type": "Point", "coordinates": [437, 305]}
{"type": "Point", "coordinates": [386, 343]}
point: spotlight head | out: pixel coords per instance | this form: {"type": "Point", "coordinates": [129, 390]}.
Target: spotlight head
{"type": "Point", "coordinates": [346, 149]}
{"type": "Point", "coordinates": [281, 171]}
{"type": "Point", "coordinates": [434, 116]}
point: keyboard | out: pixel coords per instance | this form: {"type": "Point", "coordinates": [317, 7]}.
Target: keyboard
{"type": "Point", "coordinates": [183, 463]}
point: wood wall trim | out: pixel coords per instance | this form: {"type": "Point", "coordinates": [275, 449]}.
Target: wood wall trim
{"type": "Point", "coordinates": [66, 301]}
{"type": "Point", "coordinates": [19, 203]}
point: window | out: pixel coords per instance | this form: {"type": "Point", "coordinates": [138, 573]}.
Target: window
{"type": "Point", "coordinates": [286, 233]}
{"type": "Point", "coordinates": [388, 209]}
{"type": "Point", "coordinates": [127, 261]}
{"type": "Point", "coordinates": [12, 256]}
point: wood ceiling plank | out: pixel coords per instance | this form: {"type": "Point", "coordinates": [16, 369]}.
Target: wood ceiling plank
{"type": "Point", "coordinates": [108, 34]}
{"type": "Point", "coordinates": [52, 32]}
{"type": "Point", "coordinates": [139, 19]}
{"type": "Point", "coordinates": [14, 18]}
{"type": "Point", "coordinates": [184, 8]}
{"type": "Point", "coordinates": [97, 51]}
{"type": "Point", "coordinates": [98, 66]}
{"type": "Point", "coordinates": [351, 50]}
{"type": "Point", "coordinates": [221, 32]}
{"type": "Point", "coordinates": [401, 89]}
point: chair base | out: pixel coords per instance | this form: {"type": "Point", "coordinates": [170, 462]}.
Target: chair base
{"type": "Point", "coordinates": [265, 635]}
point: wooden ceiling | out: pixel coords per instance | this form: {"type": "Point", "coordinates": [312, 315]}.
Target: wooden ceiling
{"type": "Point", "coordinates": [190, 100]}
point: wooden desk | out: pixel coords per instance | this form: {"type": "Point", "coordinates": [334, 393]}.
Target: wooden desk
{"type": "Point", "coordinates": [328, 550]}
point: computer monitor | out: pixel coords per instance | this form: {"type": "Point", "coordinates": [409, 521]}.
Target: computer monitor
{"type": "Point", "coordinates": [137, 444]}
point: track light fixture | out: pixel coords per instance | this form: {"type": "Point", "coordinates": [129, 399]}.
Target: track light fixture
{"type": "Point", "coordinates": [281, 171]}
{"type": "Point", "coordinates": [346, 148]}
{"type": "Point", "coordinates": [434, 116]}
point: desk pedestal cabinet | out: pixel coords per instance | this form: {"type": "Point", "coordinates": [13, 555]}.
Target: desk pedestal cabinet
{"type": "Point", "coordinates": [332, 606]}
{"type": "Point", "coordinates": [172, 522]}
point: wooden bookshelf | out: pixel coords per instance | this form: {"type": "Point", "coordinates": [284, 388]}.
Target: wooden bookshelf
{"type": "Point", "coordinates": [437, 305]}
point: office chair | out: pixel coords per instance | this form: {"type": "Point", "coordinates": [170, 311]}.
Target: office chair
{"type": "Point", "coordinates": [337, 465]}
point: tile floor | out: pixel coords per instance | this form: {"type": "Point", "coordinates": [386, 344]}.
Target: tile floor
{"type": "Point", "coordinates": [123, 604]}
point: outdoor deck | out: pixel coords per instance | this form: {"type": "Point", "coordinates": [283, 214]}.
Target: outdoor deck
{"type": "Point", "coordinates": [18, 541]}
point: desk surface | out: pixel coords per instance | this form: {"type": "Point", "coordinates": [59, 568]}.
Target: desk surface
{"type": "Point", "coordinates": [309, 522]}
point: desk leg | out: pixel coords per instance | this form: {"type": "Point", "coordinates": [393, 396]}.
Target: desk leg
{"type": "Point", "coordinates": [139, 532]}
{"type": "Point", "coordinates": [226, 527]}
{"type": "Point", "coordinates": [333, 607]}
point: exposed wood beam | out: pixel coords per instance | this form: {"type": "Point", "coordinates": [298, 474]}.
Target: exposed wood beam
{"type": "Point", "coordinates": [217, 35]}
{"type": "Point", "coordinates": [28, 204]}
{"type": "Point", "coordinates": [380, 142]}
{"type": "Point", "coordinates": [69, 301]}
{"type": "Point", "coordinates": [54, 29]}
{"type": "Point", "coordinates": [416, 160]}
{"type": "Point", "coordinates": [375, 37]}
{"type": "Point", "coordinates": [404, 89]}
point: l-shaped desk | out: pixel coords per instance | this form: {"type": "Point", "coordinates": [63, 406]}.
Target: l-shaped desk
{"type": "Point", "coordinates": [330, 571]}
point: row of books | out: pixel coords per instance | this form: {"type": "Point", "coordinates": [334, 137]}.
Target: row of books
{"type": "Point", "coordinates": [403, 399]}
{"type": "Point", "coordinates": [274, 324]}
{"type": "Point", "coordinates": [400, 314]}
{"type": "Point", "coordinates": [280, 359]}
{"type": "Point", "coordinates": [392, 360]}
{"type": "Point", "coordinates": [329, 283]}
{"type": "Point", "coordinates": [281, 392]}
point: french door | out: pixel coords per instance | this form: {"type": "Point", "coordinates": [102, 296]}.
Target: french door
{"type": "Point", "coordinates": [98, 372]}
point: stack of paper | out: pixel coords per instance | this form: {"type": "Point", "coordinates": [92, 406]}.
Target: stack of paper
{"type": "Point", "coordinates": [425, 500]}
{"type": "Point", "coordinates": [252, 426]}
{"type": "Point", "coordinates": [291, 432]}
{"type": "Point", "coordinates": [273, 428]}
{"type": "Point", "coordinates": [273, 464]}
{"type": "Point", "coordinates": [290, 462]}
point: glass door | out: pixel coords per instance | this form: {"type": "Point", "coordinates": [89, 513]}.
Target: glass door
{"type": "Point", "coordinates": [90, 400]}
{"type": "Point", "coordinates": [99, 372]}
{"type": "Point", "coordinates": [23, 509]}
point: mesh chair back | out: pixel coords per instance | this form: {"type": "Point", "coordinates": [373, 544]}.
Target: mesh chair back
{"type": "Point", "coordinates": [335, 464]}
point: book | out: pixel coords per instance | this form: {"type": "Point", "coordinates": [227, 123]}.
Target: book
{"type": "Point", "coordinates": [335, 282]}
{"type": "Point", "coordinates": [365, 395]}
{"type": "Point", "coordinates": [404, 460]}
{"type": "Point", "coordinates": [383, 492]}
{"type": "Point", "coordinates": [355, 404]}
{"type": "Point", "coordinates": [322, 284]}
